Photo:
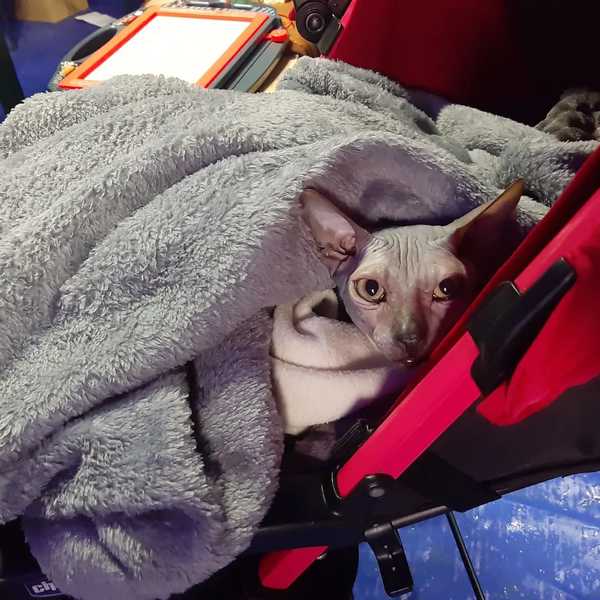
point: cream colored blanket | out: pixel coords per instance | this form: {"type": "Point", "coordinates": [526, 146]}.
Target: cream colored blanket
{"type": "Point", "coordinates": [324, 369]}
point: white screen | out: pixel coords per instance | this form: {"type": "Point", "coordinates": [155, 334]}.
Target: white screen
{"type": "Point", "coordinates": [173, 46]}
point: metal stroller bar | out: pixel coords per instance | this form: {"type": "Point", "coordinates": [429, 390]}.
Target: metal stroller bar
{"type": "Point", "coordinates": [465, 557]}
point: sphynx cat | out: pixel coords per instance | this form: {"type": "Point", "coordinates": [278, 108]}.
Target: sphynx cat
{"type": "Point", "coordinates": [404, 287]}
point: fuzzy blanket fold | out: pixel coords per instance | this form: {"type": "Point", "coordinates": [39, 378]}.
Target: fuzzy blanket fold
{"type": "Point", "coordinates": [324, 369]}
{"type": "Point", "coordinates": [145, 225]}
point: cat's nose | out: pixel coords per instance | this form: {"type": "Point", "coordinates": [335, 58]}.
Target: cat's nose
{"type": "Point", "coordinates": [406, 339]}
{"type": "Point", "coordinates": [411, 344]}
{"type": "Point", "coordinates": [412, 347]}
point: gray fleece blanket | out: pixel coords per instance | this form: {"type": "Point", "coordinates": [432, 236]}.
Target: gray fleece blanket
{"type": "Point", "coordinates": [145, 228]}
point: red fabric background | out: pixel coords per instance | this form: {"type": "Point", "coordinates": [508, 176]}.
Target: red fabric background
{"type": "Point", "coordinates": [509, 57]}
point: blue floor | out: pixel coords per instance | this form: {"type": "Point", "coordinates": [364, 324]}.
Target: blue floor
{"type": "Point", "coordinates": [538, 544]}
{"type": "Point", "coordinates": [542, 543]}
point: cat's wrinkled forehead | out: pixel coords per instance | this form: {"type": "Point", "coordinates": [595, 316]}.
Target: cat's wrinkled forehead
{"type": "Point", "coordinates": [426, 235]}
{"type": "Point", "coordinates": [411, 255]}
{"type": "Point", "coordinates": [410, 245]}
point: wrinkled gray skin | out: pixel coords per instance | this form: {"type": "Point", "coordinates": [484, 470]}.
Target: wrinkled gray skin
{"type": "Point", "coordinates": [410, 267]}
{"type": "Point", "coordinates": [409, 263]}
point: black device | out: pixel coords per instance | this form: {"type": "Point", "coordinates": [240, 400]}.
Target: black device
{"type": "Point", "coordinates": [314, 18]}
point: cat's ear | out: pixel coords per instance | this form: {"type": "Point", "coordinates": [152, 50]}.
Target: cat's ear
{"type": "Point", "coordinates": [481, 234]}
{"type": "Point", "coordinates": [337, 236]}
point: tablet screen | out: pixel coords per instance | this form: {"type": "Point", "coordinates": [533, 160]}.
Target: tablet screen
{"type": "Point", "coordinates": [173, 46]}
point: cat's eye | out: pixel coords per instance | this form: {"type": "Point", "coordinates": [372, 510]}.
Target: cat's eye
{"type": "Point", "coordinates": [370, 290]}
{"type": "Point", "coordinates": [448, 289]}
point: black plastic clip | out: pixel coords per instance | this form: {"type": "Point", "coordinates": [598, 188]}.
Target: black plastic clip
{"type": "Point", "coordinates": [391, 558]}
{"type": "Point", "coordinates": [330, 35]}
{"type": "Point", "coordinates": [360, 503]}
{"type": "Point", "coordinates": [507, 323]}
{"type": "Point", "coordinates": [351, 441]}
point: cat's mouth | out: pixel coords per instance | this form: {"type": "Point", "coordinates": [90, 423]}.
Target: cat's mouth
{"type": "Point", "coordinates": [399, 357]}
{"type": "Point", "coordinates": [406, 362]}
{"type": "Point", "coordinates": [411, 363]}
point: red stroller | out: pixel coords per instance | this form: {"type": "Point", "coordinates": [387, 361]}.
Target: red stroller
{"type": "Point", "coordinates": [521, 367]}
{"type": "Point", "coordinates": [509, 398]}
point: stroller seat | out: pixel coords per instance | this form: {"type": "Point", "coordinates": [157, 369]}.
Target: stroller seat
{"type": "Point", "coordinates": [443, 447]}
